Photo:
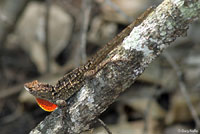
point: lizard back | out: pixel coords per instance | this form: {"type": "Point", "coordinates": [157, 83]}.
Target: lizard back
{"type": "Point", "coordinates": [74, 80]}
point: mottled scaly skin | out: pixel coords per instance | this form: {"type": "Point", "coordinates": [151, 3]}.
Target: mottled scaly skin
{"type": "Point", "coordinates": [74, 80]}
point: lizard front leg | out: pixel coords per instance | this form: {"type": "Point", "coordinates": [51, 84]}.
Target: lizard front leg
{"type": "Point", "coordinates": [62, 104]}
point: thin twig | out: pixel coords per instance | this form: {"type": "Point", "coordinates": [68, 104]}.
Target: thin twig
{"type": "Point", "coordinates": [11, 11]}
{"type": "Point", "coordinates": [183, 89]}
{"type": "Point", "coordinates": [104, 125]}
{"type": "Point", "coordinates": [46, 29]}
{"type": "Point", "coordinates": [86, 10]}
{"type": "Point", "coordinates": [147, 111]}
{"type": "Point", "coordinates": [118, 10]}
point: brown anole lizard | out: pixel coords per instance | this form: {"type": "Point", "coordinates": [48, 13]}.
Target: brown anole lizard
{"type": "Point", "coordinates": [48, 95]}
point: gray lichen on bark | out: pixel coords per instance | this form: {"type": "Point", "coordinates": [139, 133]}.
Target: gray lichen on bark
{"type": "Point", "coordinates": [169, 20]}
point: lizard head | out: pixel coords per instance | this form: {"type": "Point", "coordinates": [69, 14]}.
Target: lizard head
{"type": "Point", "coordinates": [43, 93]}
{"type": "Point", "coordinates": [40, 90]}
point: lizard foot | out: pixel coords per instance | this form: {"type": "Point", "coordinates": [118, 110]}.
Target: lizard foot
{"type": "Point", "coordinates": [62, 104]}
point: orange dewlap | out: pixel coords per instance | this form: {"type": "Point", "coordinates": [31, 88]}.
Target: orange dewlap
{"type": "Point", "coordinates": [46, 105]}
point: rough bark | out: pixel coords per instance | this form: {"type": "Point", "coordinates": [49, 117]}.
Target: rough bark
{"type": "Point", "coordinates": [169, 20]}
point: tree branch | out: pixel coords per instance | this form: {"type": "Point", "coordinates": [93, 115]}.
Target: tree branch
{"type": "Point", "coordinates": [169, 20]}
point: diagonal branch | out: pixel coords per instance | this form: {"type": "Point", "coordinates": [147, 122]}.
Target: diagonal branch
{"type": "Point", "coordinates": [127, 61]}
